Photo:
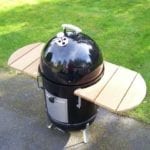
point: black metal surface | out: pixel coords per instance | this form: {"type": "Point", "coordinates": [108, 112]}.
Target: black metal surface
{"type": "Point", "coordinates": [75, 114]}
{"type": "Point", "coordinates": [71, 63]}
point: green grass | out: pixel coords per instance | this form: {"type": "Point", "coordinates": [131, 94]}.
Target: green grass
{"type": "Point", "coordinates": [120, 27]}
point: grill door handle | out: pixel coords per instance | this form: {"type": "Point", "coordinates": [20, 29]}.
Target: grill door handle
{"type": "Point", "coordinates": [79, 102]}
{"type": "Point", "coordinates": [52, 99]}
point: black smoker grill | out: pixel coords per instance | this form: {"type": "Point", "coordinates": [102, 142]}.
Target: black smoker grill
{"type": "Point", "coordinates": [70, 60]}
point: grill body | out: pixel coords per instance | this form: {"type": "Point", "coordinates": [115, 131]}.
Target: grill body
{"type": "Point", "coordinates": [69, 61]}
{"type": "Point", "coordinates": [66, 110]}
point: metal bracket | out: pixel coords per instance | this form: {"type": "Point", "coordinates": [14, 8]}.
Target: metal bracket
{"type": "Point", "coordinates": [79, 102]}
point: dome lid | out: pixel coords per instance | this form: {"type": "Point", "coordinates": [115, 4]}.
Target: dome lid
{"type": "Point", "coordinates": [71, 56]}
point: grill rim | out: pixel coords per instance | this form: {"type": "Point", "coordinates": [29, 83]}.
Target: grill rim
{"type": "Point", "coordinates": [86, 84]}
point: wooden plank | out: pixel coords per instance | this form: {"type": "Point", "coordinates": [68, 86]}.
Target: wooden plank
{"type": "Point", "coordinates": [135, 94]}
{"type": "Point", "coordinates": [28, 59]}
{"type": "Point", "coordinates": [90, 93]}
{"type": "Point", "coordinates": [22, 51]}
{"type": "Point", "coordinates": [32, 70]}
{"type": "Point", "coordinates": [116, 89]}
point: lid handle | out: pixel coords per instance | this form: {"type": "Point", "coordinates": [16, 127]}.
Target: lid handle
{"type": "Point", "coordinates": [71, 27]}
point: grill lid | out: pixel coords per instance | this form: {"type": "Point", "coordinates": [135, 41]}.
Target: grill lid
{"type": "Point", "coordinates": [71, 57]}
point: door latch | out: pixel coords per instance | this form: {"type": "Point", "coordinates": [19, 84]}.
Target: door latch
{"type": "Point", "coordinates": [79, 102]}
{"type": "Point", "coordinates": [52, 99]}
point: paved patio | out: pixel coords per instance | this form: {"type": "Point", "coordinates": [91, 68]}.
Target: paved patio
{"type": "Point", "coordinates": [23, 123]}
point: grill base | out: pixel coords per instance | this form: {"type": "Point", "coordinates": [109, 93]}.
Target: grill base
{"type": "Point", "coordinates": [72, 127]}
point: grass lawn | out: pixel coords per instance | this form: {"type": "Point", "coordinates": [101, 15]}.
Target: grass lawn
{"type": "Point", "coordinates": [120, 27]}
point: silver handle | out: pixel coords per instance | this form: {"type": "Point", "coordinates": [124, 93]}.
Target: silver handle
{"type": "Point", "coordinates": [71, 27]}
{"type": "Point", "coordinates": [51, 99]}
{"type": "Point", "coordinates": [79, 102]}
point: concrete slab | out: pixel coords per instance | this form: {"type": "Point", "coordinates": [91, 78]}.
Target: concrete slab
{"type": "Point", "coordinates": [23, 123]}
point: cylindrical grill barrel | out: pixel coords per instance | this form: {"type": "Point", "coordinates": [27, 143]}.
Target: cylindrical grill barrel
{"type": "Point", "coordinates": [70, 61]}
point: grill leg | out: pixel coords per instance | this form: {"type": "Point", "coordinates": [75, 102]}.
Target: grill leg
{"type": "Point", "coordinates": [49, 126]}
{"type": "Point", "coordinates": [59, 129]}
{"type": "Point", "coordinates": [49, 123]}
{"type": "Point", "coordinates": [85, 134]}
